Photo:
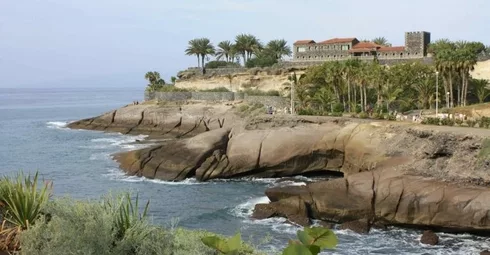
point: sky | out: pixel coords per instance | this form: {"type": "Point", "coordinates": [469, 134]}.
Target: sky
{"type": "Point", "coordinates": [113, 43]}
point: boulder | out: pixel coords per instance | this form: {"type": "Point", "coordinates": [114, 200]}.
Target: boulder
{"type": "Point", "coordinates": [359, 226]}
{"type": "Point", "coordinates": [485, 252]}
{"type": "Point", "coordinates": [429, 237]}
{"type": "Point", "coordinates": [293, 209]}
{"type": "Point", "coordinates": [263, 211]}
{"type": "Point", "coordinates": [280, 192]}
{"type": "Point", "coordinates": [174, 160]}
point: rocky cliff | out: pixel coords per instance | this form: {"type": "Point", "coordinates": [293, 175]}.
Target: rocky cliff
{"type": "Point", "coordinates": [394, 173]}
{"type": "Point", "coordinates": [254, 78]}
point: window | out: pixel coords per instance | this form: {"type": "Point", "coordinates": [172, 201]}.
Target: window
{"type": "Point", "coordinates": [301, 49]}
{"type": "Point", "coordinates": [345, 47]}
{"type": "Point", "coordinates": [401, 55]}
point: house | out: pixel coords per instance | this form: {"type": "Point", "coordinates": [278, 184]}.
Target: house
{"type": "Point", "coordinates": [416, 44]}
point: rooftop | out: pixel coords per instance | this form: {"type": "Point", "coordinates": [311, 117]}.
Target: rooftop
{"type": "Point", "coordinates": [338, 40]}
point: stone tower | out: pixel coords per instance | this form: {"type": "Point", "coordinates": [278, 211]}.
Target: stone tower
{"type": "Point", "coordinates": [416, 43]}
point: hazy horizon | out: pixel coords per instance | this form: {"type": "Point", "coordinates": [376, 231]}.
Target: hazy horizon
{"type": "Point", "coordinates": [83, 44]}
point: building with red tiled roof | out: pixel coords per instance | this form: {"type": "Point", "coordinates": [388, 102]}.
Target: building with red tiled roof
{"type": "Point", "coordinates": [416, 44]}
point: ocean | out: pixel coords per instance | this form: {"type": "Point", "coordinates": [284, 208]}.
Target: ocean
{"type": "Point", "coordinates": [34, 137]}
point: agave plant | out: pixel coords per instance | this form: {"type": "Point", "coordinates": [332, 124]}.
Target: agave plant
{"type": "Point", "coordinates": [126, 214]}
{"type": "Point", "coordinates": [21, 202]}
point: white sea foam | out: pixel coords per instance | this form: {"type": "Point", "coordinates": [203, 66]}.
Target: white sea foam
{"type": "Point", "coordinates": [57, 124]}
{"type": "Point", "coordinates": [245, 210]}
{"type": "Point", "coordinates": [119, 175]}
{"type": "Point", "coordinates": [100, 156]}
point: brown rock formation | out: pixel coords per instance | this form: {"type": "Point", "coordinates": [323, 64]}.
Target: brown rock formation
{"type": "Point", "coordinates": [177, 159]}
{"type": "Point", "coordinates": [292, 208]}
{"type": "Point", "coordinates": [397, 199]}
{"type": "Point", "coordinates": [359, 226]}
{"type": "Point", "coordinates": [173, 120]}
{"type": "Point", "coordinates": [429, 237]}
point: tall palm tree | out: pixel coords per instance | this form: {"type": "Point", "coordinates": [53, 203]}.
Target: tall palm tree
{"type": "Point", "coordinates": [193, 49]}
{"type": "Point", "coordinates": [247, 45]}
{"type": "Point", "coordinates": [205, 48]}
{"type": "Point", "coordinates": [381, 41]}
{"type": "Point", "coordinates": [280, 48]}
{"type": "Point", "coordinates": [224, 50]}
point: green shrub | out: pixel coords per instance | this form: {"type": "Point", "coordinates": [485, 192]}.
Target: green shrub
{"type": "Point", "coordinates": [431, 121]}
{"type": "Point", "coordinates": [311, 241]}
{"type": "Point", "coordinates": [217, 64]}
{"type": "Point", "coordinates": [380, 109]}
{"type": "Point", "coordinates": [447, 122]}
{"type": "Point", "coordinates": [219, 89]}
{"type": "Point", "coordinates": [471, 123]}
{"type": "Point", "coordinates": [170, 88]}
{"type": "Point", "coordinates": [263, 61]}
{"type": "Point", "coordinates": [390, 117]}
{"type": "Point", "coordinates": [23, 201]}
{"type": "Point", "coordinates": [126, 214]}
{"type": "Point", "coordinates": [484, 122]}
{"type": "Point", "coordinates": [458, 122]}
{"type": "Point", "coordinates": [243, 107]}
{"type": "Point", "coordinates": [223, 246]}
{"type": "Point", "coordinates": [190, 242]}
{"type": "Point", "coordinates": [363, 115]}
{"type": "Point", "coordinates": [306, 111]}
{"type": "Point", "coordinates": [358, 108]}
{"type": "Point", "coordinates": [338, 107]}
{"type": "Point", "coordinates": [378, 116]}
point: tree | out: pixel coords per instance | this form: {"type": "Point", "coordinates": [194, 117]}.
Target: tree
{"type": "Point", "coordinates": [247, 45]}
{"type": "Point", "coordinates": [155, 82]}
{"type": "Point", "coordinates": [173, 79]}
{"type": "Point", "coordinates": [479, 88]}
{"type": "Point", "coordinates": [193, 49]}
{"type": "Point", "coordinates": [225, 50]}
{"type": "Point", "coordinates": [381, 41]}
{"type": "Point", "coordinates": [205, 48]}
{"type": "Point", "coordinates": [279, 48]}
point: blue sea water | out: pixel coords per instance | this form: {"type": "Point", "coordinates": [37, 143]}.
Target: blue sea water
{"type": "Point", "coordinates": [33, 137]}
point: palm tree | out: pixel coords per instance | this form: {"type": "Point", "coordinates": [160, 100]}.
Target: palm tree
{"type": "Point", "coordinates": [279, 48]}
{"type": "Point", "coordinates": [479, 89]}
{"type": "Point", "coordinates": [155, 82]}
{"type": "Point", "coordinates": [381, 41]}
{"type": "Point", "coordinates": [193, 49]}
{"type": "Point", "coordinates": [247, 45]}
{"type": "Point", "coordinates": [205, 48]}
{"type": "Point", "coordinates": [224, 50]}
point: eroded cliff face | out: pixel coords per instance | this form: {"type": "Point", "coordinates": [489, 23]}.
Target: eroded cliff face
{"type": "Point", "coordinates": [253, 78]}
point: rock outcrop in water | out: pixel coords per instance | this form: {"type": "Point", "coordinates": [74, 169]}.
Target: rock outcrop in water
{"type": "Point", "coordinates": [391, 198]}
{"type": "Point", "coordinates": [394, 173]}
{"type": "Point", "coordinates": [184, 120]}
